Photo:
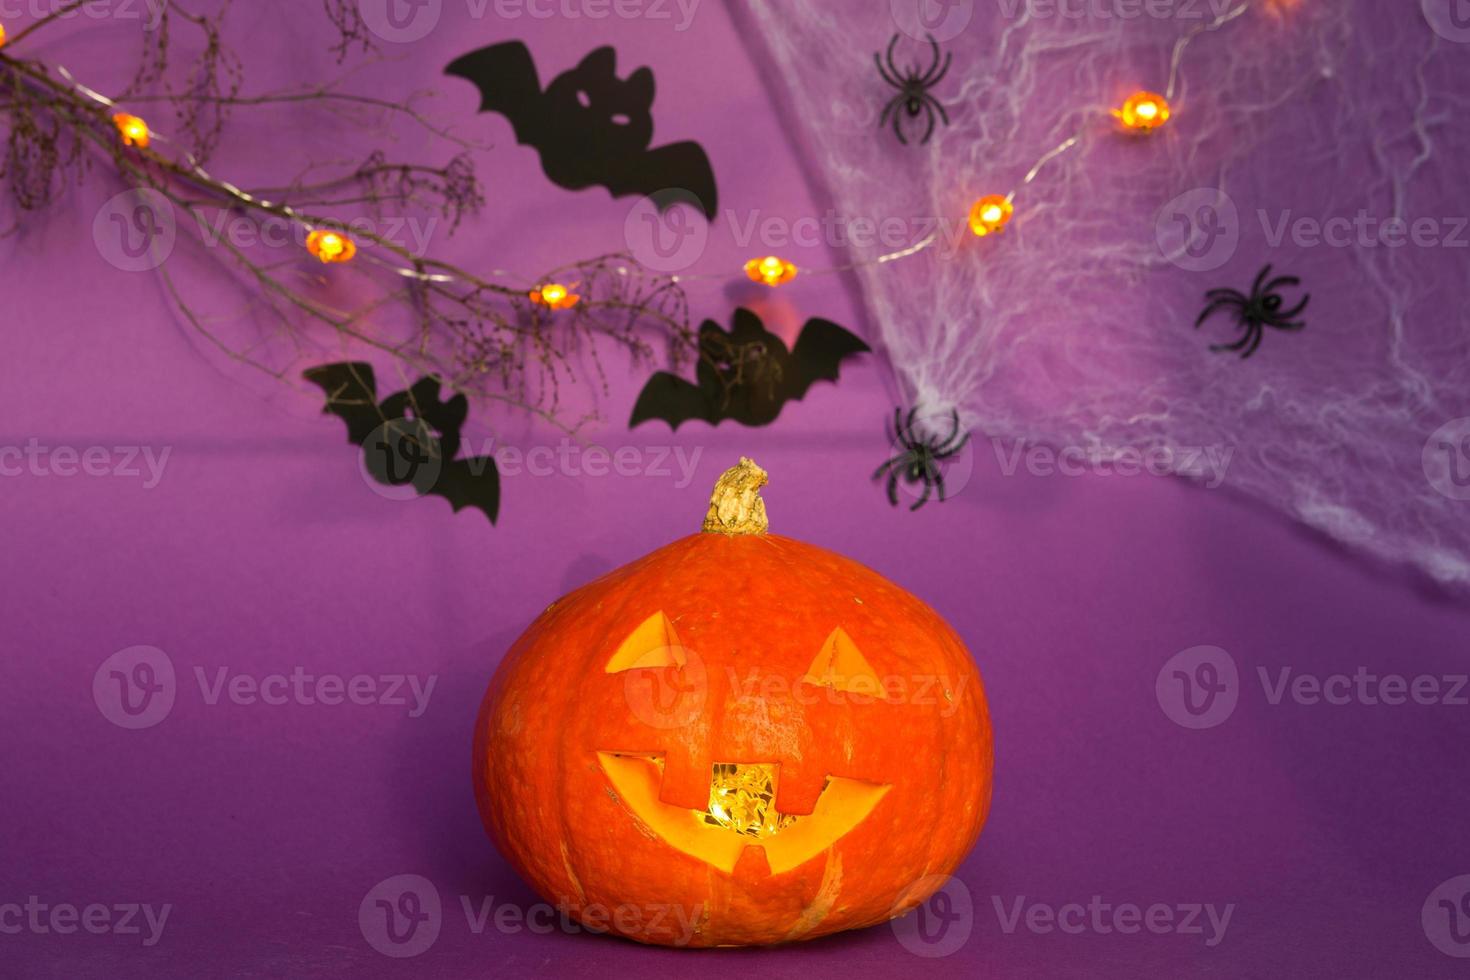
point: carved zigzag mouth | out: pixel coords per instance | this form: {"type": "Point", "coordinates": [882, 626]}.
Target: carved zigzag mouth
{"type": "Point", "coordinates": [741, 812]}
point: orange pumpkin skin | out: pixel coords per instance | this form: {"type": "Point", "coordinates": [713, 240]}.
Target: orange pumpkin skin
{"type": "Point", "coordinates": [752, 612]}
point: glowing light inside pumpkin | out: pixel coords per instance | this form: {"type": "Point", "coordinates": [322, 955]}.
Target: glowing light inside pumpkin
{"type": "Point", "coordinates": [329, 246]}
{"type": "Point", "coordinates": [635, 781]}
{"type": "Point", "coordinates": [133, 129]}
{"type": "Point", "coordinates": [742, 798]}
{"type": "Point", "coordinates": [555, 296]}
{"type": "Point", "coordinates": [990, 214]}
{"type": "Point", "coordinates": [1143, 111]}
{"type": "Point", "coordinates": [771, 270]}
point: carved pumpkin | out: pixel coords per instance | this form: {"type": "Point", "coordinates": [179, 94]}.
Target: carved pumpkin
{"type": "Point", "coordinates": [738, 739]}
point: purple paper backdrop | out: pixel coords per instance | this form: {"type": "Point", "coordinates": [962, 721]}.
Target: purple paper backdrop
{"type": "Point", "coordinates": [1330, 832]}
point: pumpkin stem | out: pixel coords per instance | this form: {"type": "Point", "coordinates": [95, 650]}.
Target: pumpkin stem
{"type": "Point", "coordinates": [736, 506]}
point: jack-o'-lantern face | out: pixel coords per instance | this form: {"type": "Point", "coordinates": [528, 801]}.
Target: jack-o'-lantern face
{"type": "Point", "coordinates": [741, 812]}
{"type": "Point", "coordinates": [767, 738]}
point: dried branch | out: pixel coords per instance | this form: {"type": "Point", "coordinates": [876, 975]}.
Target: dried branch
{"type": "Point", "coordinates": [477, 336]}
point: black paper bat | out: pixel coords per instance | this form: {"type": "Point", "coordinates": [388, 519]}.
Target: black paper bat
{"type": "Point", "coordinates": [590, 127]}
{"type": "Point", "coordinates": [411, 438]}
{"type": "Point", "coordinates": [747, 374]}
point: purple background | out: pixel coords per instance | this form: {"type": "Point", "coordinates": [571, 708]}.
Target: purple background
{"type": "Point", "coordinates": [262, 550]}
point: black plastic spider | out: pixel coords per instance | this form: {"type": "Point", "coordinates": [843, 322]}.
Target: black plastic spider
{"type": "Point", "coordinates": [913, 90]}
{"type": "Point", "coordinates": [1261, 309]}
{"type": "Point", "coordinates": [919, 462]}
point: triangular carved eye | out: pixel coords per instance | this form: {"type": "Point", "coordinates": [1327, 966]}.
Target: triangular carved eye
{"type": "Point", "coordinates": [841, 666]}
{"type": "Point", "coordinates": [653, 644]}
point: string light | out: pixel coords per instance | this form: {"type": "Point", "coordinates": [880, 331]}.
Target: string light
{"type": "Point", "coordinates": [554, 296]}
{"type": "Point", "coordinates": [330, 246]}
{"type": "Point", "coordinates": [771, 270]}
{"type": "Point", "coordinates": [2, 35]}
{"type": "Point", "coordinates": [990, 214]}
{"type": "Point", "coordinates": [1143, 112]}
{"type": "Point", "coordinates": [133, 129]}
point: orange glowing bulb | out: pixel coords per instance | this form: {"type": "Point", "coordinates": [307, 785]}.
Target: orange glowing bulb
{"type": "Point", "coordinates": [990, 214]}
{"type": "Point", "coordinates": [771, 270]}
{"type": "Point", "coordinates": [555, 296]}
{"type": "Point", "coordinates": [329, 246]}
{"type": "Point", "coordinates": [133, 129]}
{"type": "Point", "coordinates": [1143, 111]}
{"type": "Point", "coordinates": [2, 35]}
